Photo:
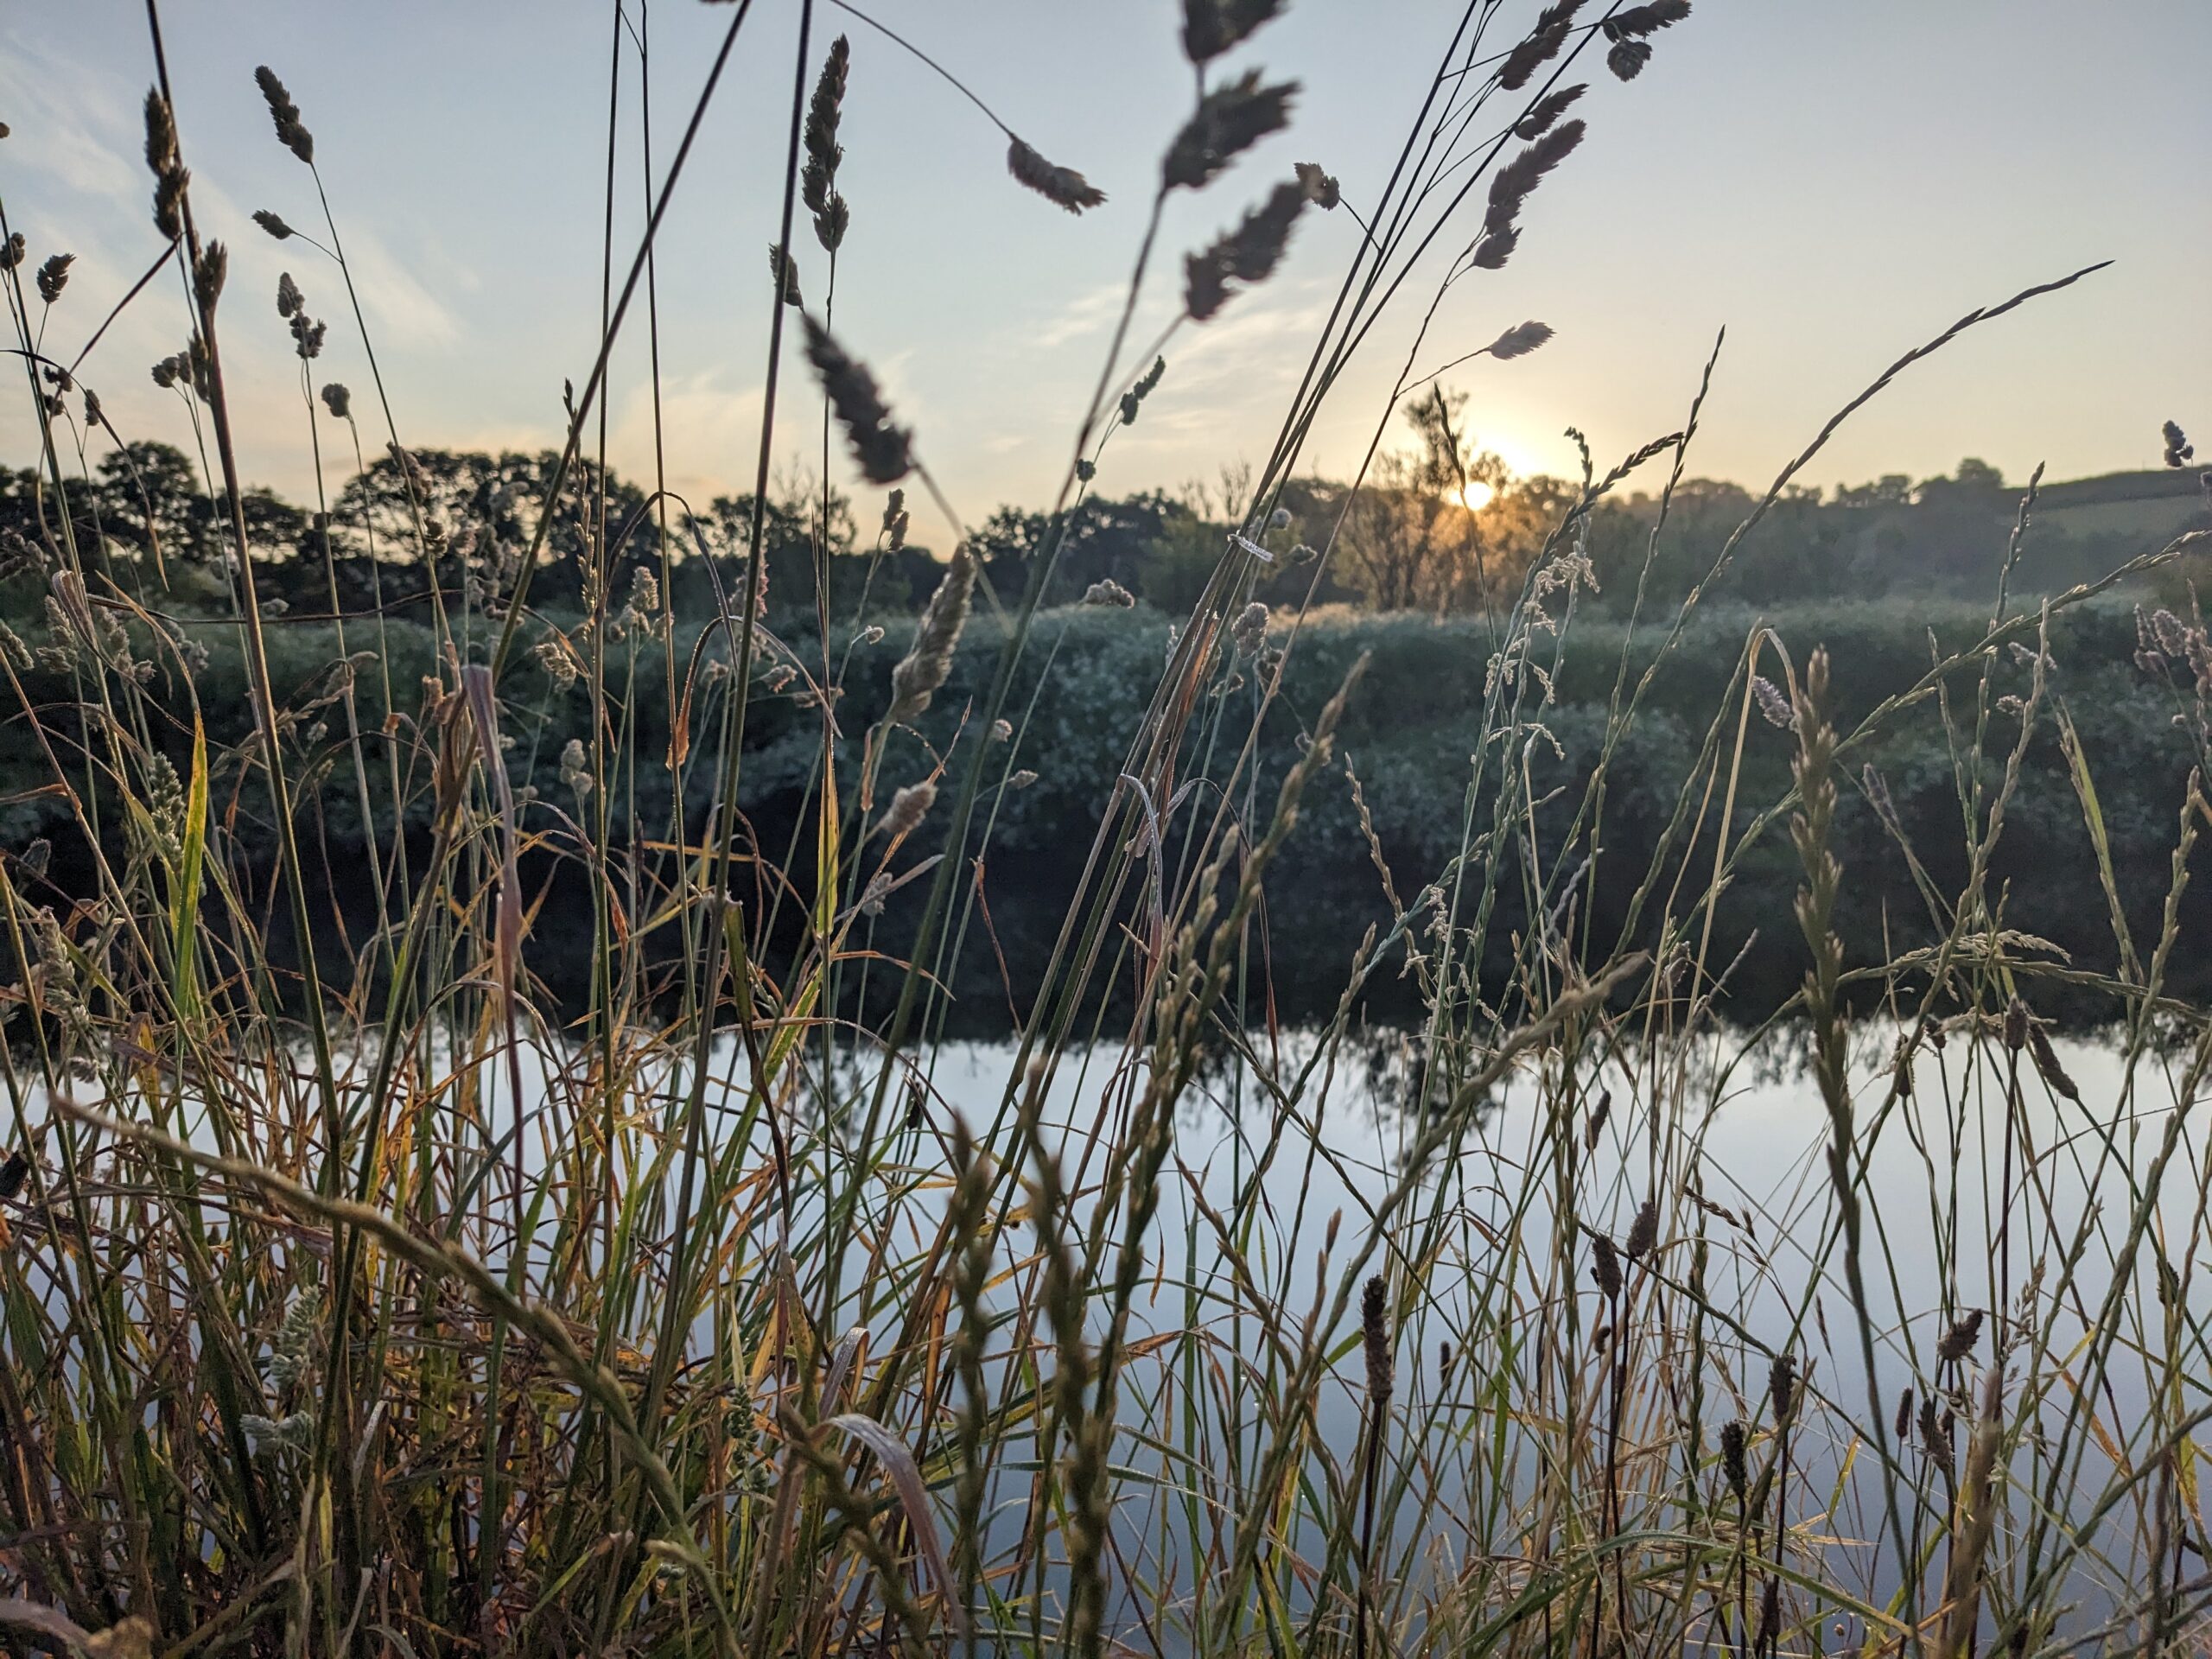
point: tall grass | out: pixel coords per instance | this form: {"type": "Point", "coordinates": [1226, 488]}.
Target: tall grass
{"type": "Point", "coordinates": [392, 1312]}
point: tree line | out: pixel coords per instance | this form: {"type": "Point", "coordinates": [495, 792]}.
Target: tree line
{"type": "Point", "coordinates": [1438, 527]}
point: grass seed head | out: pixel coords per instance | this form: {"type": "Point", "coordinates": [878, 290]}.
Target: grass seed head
{"type": "Point", "coordinates": [882, 448]}
{"type": "Point", "coordinates": [1781, 1387]}
{"type": "Point", "coordinates": [1321, 186]}
{"type": "Point", "coordinates": [818, 179]}
{"type": "Point", "coordinates": [54, 276]}
{"type": "Point", "coordinates": [1643, 1231]}
{"type": "Point", "coordinates": [1228, 121]}
{"type": "Point", "coordinates": [1375, 1333]}
{"type": "Point", "coordinates": [1212, 27]}
{"type": "Point", "coordinates": [1543, 42]}
{"type": "Point", "coordinates": [290, 132]}
{"type": "Point", "coordinates": [1733, 1437]}
{"type": "Point", "coordinates": [918, 674]}
{"type": "Point", "coordinates": [1547, 110]}
{"type": "Point", "coordinates": [1605, 1265]}
{"type": "Point", "coordinates": [1063, 185]}
{"type": "Point", "coordinates": [1958, 1341]}
{"type": "Point", "coordinates": [1247, 254]}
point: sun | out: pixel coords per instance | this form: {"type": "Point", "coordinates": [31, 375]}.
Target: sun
{"type": "Point", "coordinates": [1476, 495]}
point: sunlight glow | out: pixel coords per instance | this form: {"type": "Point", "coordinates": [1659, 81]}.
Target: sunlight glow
{"type": "Point", "coordinates": [1476, 496]}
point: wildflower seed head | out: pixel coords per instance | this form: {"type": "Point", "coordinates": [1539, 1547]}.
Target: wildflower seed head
{"type": "Point", "coordinates": [1021, 779]}
{"type": "Point", "coordinates": [1002, 731]}
{"type": "Point", "coordinates": [1062, 185]}
{"type": "Point", "coordinates": [338, 400]}
{"type": "Point", "coordinates": [289, 297]}
{"type": "Point", "coordinates": [2179, 450]}
{"type": "Point", "coordinates": [881, 448]}
{"type": "Point", "coordinates": [782, 270]}
{"type": "Point", "coordinates": [1109, 592]}
{"type": "Point", "coordinates": [272, 223]}
{"type": "Point", "coordinates": [1250, 632]}
{"type": "Point", "coordinates": [2016, 1024]}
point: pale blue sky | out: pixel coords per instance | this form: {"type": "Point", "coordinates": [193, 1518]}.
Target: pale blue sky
{"type": "Point", "coordinates": [1834, 183]}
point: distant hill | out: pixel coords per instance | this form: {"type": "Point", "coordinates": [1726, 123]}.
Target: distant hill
{"type": "Point", "coordinates": [2156, 505]}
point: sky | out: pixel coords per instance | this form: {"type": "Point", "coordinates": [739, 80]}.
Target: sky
{"type": "Point", "coordinates": [1831, 184]}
